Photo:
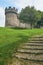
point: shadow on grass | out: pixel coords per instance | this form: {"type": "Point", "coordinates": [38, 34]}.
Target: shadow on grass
{"type": "Point", "coordinates": [8, 50]}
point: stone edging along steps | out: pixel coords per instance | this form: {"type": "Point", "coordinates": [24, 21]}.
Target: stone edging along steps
{"type": "Point", "coordinates": [33, 50]}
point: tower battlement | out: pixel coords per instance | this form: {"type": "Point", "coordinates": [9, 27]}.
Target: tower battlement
{"type": "Point", "coordinates": [11, 18]}
{"type": "Point", "coordinates": [11, 10]}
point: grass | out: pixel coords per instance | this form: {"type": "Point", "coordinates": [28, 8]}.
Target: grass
{"type": "Point", "coordinates": [11, 39]}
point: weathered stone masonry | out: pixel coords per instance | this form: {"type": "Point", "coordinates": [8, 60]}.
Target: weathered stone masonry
{"type": "Point", "coordinates": [11, 19]}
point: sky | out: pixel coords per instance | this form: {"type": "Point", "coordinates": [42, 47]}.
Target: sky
{"type": "Point", "coordinates": [19, 4]}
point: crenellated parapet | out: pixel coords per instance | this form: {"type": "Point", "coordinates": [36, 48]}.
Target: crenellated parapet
{"type": "Point", "coordinates": [12, 18]}
{"type": "Point", "coordinates": [11, 10]}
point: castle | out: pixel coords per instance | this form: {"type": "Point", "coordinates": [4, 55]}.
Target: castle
{"type": "Point", "coordinates": [11, 18]}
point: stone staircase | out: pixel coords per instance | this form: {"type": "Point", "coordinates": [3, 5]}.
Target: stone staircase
{"type": "Point", "coordinates": [32, 51]}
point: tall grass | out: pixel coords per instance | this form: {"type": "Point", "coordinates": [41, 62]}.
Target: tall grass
{"type": "Point", "coordinates": [11, 39]}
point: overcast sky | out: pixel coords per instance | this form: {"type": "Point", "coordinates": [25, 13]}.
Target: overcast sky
{"type": "Point", "coordinates": [19, 4]}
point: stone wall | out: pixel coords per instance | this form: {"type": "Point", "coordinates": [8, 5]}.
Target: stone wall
{"type": "Point", "coordinates": [11, 19]}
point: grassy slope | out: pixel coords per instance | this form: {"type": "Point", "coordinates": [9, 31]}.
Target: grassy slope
{"type": "Point", "coordinates": [10, 39]}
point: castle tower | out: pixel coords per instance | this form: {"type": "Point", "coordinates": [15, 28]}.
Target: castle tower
{"type": "Point", "coordinates": [11, 19]}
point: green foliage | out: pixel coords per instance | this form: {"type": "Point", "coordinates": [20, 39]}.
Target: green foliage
{"type": "Point", "coordinates": [30, 15]}
{"type": "Point", "coordinates": [11, 39]}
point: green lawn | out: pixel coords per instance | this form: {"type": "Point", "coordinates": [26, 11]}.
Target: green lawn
{"type": "Point", "coordinates": [11, 39]}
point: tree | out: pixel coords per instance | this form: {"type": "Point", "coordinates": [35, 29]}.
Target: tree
{"type": "Point", "coordinates": [29, 15]}
{"type": "Point", "coordinates": [40, 22]}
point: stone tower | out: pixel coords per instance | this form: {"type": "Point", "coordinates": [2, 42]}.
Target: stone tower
{"type": "Point", "coordinates": [11, 19]}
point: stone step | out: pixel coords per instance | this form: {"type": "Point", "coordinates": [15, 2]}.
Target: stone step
{"type": "Point", "coordinates": [33, 44]}
{"type": "Point", "coordinates": [33, 47]}
{"type": "Point", "coordinates": [30, 51]}
{"type": "Point", "coordinates": [29, 56]}
{"type": "Point", "coordinates": [33, 50]}
{"type": "Point", "coordinates": [36, 38]}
